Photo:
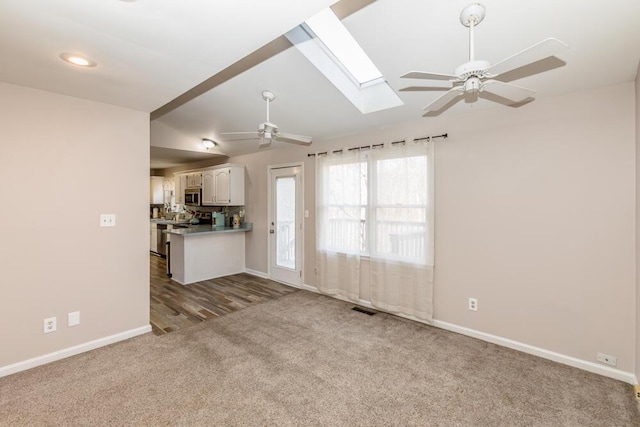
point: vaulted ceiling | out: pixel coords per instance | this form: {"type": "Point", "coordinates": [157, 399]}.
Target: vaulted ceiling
{"type": "Point", "coordinates": [149, 52]}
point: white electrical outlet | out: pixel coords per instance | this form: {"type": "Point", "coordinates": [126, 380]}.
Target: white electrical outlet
{"type": "Point", "coordinates": [73, 319]}
{"type": "Point", "coordinates": [473, 304]}
{"type": "Point", "coordinates": [107, 220]}
{"type": "Point", "coordinates": [605, 358]}
{"type": "Point", "coordinates": [49, 325]}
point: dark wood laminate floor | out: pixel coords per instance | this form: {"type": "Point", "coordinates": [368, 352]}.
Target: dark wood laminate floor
{"type": "Point", "coordinates": [174, 306]}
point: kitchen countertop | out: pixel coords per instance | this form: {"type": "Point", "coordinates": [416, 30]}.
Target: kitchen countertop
{"type": "Point", "coordinates": [208, 229]}
{"type": "Point", "coordinates": [169, 221]}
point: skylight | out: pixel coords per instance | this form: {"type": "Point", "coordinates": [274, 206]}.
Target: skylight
{"type": "Point", "coordinates": [329, 46]}
{"type": "Point", "coordinates": [340, 43]}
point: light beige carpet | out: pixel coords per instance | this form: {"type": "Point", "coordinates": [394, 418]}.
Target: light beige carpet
{"type": "Point", "coordinates": [306, 359]}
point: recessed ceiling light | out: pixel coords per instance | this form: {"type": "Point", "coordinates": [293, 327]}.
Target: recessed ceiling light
{"type": "Point", "coordinates": [78, 59]}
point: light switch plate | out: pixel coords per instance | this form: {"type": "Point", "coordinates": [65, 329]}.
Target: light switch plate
{"type": "Point", "coordinates": [73, 318]}
{"type": "Point", "coordinates": [107, 220]}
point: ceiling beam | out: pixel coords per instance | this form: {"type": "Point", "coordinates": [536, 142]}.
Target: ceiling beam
{"type": "Point", "coordinates": [254, 58]}
{"type": "Point", "coordinates": [342, 9]}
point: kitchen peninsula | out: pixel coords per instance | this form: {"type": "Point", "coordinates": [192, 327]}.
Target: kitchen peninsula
{"type": "Point", "coordinates": [203, 252]}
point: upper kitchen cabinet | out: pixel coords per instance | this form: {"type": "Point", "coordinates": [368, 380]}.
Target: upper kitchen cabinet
{"type": "Point", "coordinates": [156, 193]}
{"type": "Point", "coordinates": [194, 180]}
{"type": "Point", "coordinates": [223, 186]}
{"type": "Point", "coordinates": [180, 182]}
{"type": "Point", "coordinates": [208, 188]}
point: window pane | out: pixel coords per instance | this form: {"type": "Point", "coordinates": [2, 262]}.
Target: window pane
{"type": "Point", "coordinates": [402, 181]}
{"type": "Point", "coordinates": [346, 228]}
{"type": "Point", "coordinates": [382, 213]}
{"type": "Point", "coordinates": [348, 184]}
{"type": "Point", "coordinates": [286, 222]}
{"type": "Point", "coordinates": [401, 233]}
{"type": "Point", "coordinates": [346, 210]}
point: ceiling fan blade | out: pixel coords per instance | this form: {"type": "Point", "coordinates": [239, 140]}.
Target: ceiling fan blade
{"type": "Point", "coordinates": [426, 88]}
{"type": "Point", "coordinates": [507, 90]}
{"type": "Point", "coordinates": [443, 100]}
{"type": "Point", "coordinates": [544, 49]}
{"type": "Point", "coordinates": [296, 139]}
{"type": "Point", "coordinates": [428, 76]}
{"type": "Point", "coordinates": [234, 136]}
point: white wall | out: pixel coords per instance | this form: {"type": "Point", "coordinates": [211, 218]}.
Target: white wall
{"type": "Point", "coordinates": [535, 217]}
{"type": "Point", "coordinates": [64, 162]}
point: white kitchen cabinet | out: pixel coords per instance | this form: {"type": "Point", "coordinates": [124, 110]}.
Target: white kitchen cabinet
{"type": "Point", "coordinates": [156, 193]}
{"type": "Point", "coordinates": [194, 180]}
{"type": "Point", "coordinates": [154, 237]}
{"type": "Point", "coordinates": [180, 182]}
{"type": "Point", "coordinates": [223, 186]}
{"type": "Point", "coordinates": [208, 189]}
{"type": "Point", "coordinates": [221, 183]}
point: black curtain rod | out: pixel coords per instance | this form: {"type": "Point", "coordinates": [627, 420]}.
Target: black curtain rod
{"type": "Point", "coordinates": [367, 147]}
{"type": "Point", "coordinates": [444, 135]}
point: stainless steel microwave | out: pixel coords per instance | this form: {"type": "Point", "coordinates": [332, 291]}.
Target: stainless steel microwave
{"type": "Point", "coordinates": [192, 196]}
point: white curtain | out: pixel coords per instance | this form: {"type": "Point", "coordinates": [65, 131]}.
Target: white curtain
{"type": "Point", "coordinates": [401, 213]}
{"type": "Point", "coordinates": [377, 203]}
{"type": "Point", "coordinates": [340, 196]}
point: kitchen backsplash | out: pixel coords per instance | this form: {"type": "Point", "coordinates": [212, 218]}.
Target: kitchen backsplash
{"type": "Point", "coordinates": [228, 211]}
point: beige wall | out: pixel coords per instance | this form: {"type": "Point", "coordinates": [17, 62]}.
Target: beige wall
{"type": "Point", "coordinates": [637, 87]}
{"type": "Point", "coordinates": [535, 217]}
{"type": "Point", "coordinates": [64, 162]}
{"type": "Point", "coordinates": [256, 181]}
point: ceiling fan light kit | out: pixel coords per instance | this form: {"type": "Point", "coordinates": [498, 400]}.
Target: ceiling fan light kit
{"type": "Point", "coordinates": [268, 131]}
{"type": "Point", "coordinates": [208, 143]}
{"type": "Point", "coordinates": [476, 76]}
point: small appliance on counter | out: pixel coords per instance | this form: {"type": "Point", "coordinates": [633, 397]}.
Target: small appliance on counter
{"type": "Point", "coordinates": [217, 219]}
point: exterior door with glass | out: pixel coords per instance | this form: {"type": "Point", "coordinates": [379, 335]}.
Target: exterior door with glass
{"type": "Point", "coordinates": [285, 224]}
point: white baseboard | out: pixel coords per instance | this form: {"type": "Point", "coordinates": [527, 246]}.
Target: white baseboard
{"type": "Point", "coordinates": [606, 371]}
{"type": "Point", "coordinates": [627, 377]}
{"type": "Point", "coordinates": [256, 273]}
{"type": "Point", "coordinates": [72, 351]}
{"type": "Point", "coordinates": [309, 288]}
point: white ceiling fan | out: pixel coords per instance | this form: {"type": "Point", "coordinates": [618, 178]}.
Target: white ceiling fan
{"type": "Point", "coordinates": [268, 131]}
{"type": "Point", "coordinates": [474, 77]}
